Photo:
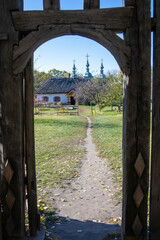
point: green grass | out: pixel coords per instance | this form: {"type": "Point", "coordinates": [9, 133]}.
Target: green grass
{"type": "Point", "coordinates": [59, 149]}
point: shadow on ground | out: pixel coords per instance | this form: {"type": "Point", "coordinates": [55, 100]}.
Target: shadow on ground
{"type": "Point", "coordinates": [71, 229]}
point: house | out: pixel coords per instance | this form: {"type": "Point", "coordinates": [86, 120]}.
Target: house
{"type": "Point", "coordinates": [61, 89]}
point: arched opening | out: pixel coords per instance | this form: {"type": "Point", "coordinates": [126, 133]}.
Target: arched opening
{"type": "Point", "coordinates": [71, 46]}
{"type": "Point", "coordinates": [66, 49]}
{"type": "Point", "coordinates": [107, 39]}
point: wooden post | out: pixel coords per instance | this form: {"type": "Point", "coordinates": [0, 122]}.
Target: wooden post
{"type": "Point", "coordinates": [51, 4]}
{"type": "Point", "coordinates": [136, 120]}
{"type": "Point", "coordinates": [1, 161]}
{"type": "Point", "coordinates": [155, 156]}
{"type": "Point", "coordinates": [11, 124]}
{"type": "Point", "coordinates": [30, 148]}
{"type": "Point", "coordinates": [91, 4]}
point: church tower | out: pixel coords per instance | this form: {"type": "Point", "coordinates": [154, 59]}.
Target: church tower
{"type": "Point", "coordinates": [87, 74]}
{"type": "Point", "coordinates": [102, 70]}
{"type": "Point", "coordinates": [74, 75]}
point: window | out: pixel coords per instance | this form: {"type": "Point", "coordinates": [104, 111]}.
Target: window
{"type": "Point", "coordinates": [45, 99]}
{"type": "Point", "coordinates": [57, 99]}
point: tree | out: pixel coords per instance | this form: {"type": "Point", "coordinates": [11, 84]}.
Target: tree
{"type": "Point", "coordinates": [113, 96]}
{"type": "Point", "coordinates": [41, 77]}
{"type": "Point", "coordinates": [108, 91]}
{"type": "Point", "coordinates": [58, 74]}
{"type": "Point", "coordinates": [90, 91]}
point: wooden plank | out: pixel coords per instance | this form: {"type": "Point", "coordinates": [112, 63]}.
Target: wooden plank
{"type": "Point", "coordinates": [1, 164]}
{"type": "Point", "coordinates": [51, 4]}
{"type": "Point", "coordinates": [30, 148]}
{"type": "Point", "coordinates": [117, 19]}
{"type": "Point", "coordinates": [3, 36]}
{"type": "Point", "coordinates": [91, 4]}
{"type": "Point", "coordinates": [136, 119]}
{"type": "Point", "coordinates": [155, 155]}
{"type": "Point", "coordinates": [2, 17]}
{"type": "Point", "coordinates": [12, 121]}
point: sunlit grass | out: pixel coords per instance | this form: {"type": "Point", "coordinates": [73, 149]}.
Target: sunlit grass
{"type": "Point", "coordinates": [59, 149]}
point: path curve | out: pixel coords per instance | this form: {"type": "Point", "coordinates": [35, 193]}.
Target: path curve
{"type": "Point", "coordinates": [90, 196]}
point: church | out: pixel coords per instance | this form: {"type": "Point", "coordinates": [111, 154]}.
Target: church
{"type": "Point", "coordinates": [61, 89]}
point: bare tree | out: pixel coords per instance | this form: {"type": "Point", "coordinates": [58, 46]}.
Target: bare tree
{"type": "Point", "coordinates": [91, 91]}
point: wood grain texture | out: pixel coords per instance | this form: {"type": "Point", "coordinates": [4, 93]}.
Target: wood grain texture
{"type": "Point", "coordinates": [30, 148]}
{"type": "Point", "coordinates": [117, 19]}
{"type": "Point", "coordinates": [136, 119]}
{"type": "Point", "coordinates": [91, 4]}
{"type": "Point", "coordinates": [155, 155]}
{"type": "Point", "coordinates": [107, 38]}
{"type": "Point", "coordinates": [51, 4]}
{"type": "Point", "coordinates": [3, 36]}
{"type": "Point", "coordinates": [11, 121]}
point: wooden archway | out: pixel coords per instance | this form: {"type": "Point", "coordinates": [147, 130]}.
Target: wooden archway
{"type": "Point", "coordinates": [20, 34]}
{"type": "Point", "coordinates": [94, 26]}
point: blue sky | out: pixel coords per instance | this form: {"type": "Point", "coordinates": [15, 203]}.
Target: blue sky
{"type": "Point", "coordinates": [60, 52]}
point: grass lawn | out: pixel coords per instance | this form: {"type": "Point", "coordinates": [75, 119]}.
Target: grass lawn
{"type": "Point", "coordinates": [59, 149]}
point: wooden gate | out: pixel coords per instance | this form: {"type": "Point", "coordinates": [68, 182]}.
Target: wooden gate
{"type": "Point", "coordinates": [20, 34]}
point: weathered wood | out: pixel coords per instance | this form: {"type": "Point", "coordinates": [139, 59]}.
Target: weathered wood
{"type": "Point", "coordinates": [91, 4]}
{"type": "Point", "coordinates": [136, 120]}
{"type": "Point", "coordinates": [2, 30]}
{"type": "Point", "coordinates": [155, 155]}
{"type": "Point", "coordinates": [30, 148]}
{"type": "Point", "coordinates": [1, 163]}
{"type": "Point", "coordinates": [108, 39]}
{"type": "Point", "coordinates": [11, 125]}
{"type": "Point", "coordinates": [3, 36]}
{"type": "Point", "coordinates": [153, 23]}
{"type": "Point", "coordinates": [117, 19]}
{"type": "Point", "coordinates": [51, 4]}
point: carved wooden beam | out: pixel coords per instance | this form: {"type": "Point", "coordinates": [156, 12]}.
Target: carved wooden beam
{"type": "Point", "coordinates": [91, 4]}
{"type": "Point", "coordinates": [116, 19]}
{"type": "Point", "coordinates": [107, 38]}
{"type": "Point", "coordinates": [51, 4]}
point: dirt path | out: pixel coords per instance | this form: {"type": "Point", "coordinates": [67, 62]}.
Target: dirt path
{"type": "Point", "coordinates": [87, 205]}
